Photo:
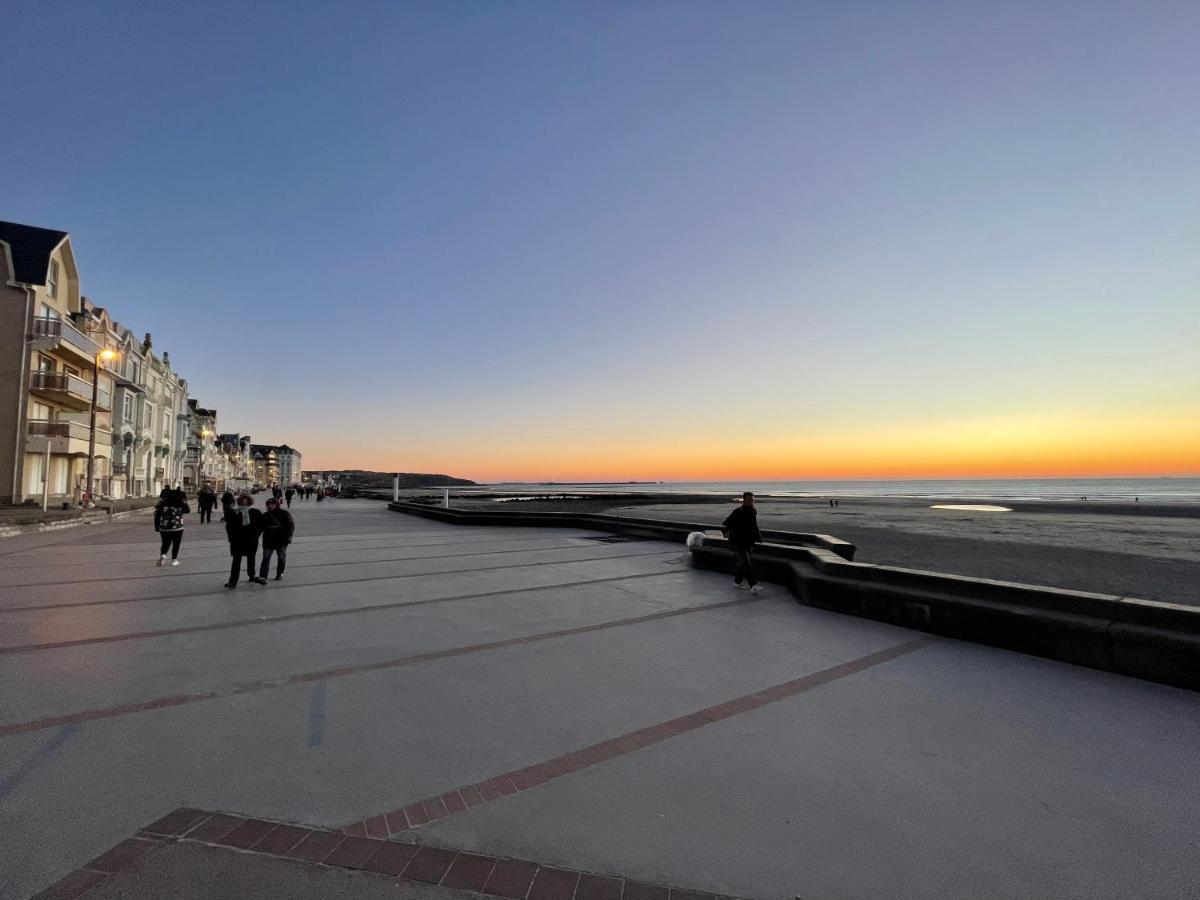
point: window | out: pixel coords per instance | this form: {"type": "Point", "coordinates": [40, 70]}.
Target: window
{"type": "Point", "coordinates": [52, 280]}
{"type": "Point", "coordinates": [49, 312]}
{"type": "Point", "coordinates": [45, 364]}
{"type": "Point", "coordinates": [127, 406]}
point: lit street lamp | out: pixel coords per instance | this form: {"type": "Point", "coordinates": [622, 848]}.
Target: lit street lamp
{"type": "Point", "coordinates": [104, 355]}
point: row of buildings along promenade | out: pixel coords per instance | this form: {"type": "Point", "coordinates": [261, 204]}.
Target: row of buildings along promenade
{"type": "Point", "coordinates": [85, 401]}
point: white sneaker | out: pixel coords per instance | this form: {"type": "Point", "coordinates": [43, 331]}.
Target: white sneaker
{"type": "Point", "coordinates": [174, 562]}
{"type": "Point", "coordinates": [162, 559]}
{"type": "Point", "coordinates": [757, 589]}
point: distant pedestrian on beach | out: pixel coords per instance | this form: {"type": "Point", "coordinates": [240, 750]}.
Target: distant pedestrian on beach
{"type": "Point", "coordinates": [741, 528]}
{"type": "Point", "coordinates": [243, 524]}
{"type": "Point", "coordinates": [278, 526]}
{"type": "Point", "coordinates": [226, 505]}
{"type": "Point", "coordinates": [207, 501]}
{"type": "Point", "coordinates": [172, 506]}
{"type": "Point", "coordinates": [288, 495]}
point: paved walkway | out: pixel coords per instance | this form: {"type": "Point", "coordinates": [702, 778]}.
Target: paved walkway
{"type": "Point", "coordinates": [545, 695]}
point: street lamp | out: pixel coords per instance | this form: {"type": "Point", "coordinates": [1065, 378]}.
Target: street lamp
{"type": "Point", "coordinates": [103, 356]}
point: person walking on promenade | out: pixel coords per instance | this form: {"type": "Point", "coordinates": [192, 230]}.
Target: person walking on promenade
{"type": "Point", "coordinates": [741, 528]}
{"type": "Point", "coordinates": [278, 526]}
{"type": "Point", "coordinates": [243, 524]}
{"type": "Point", "coordinates": [206, 500]}
{"type": "Point", "coordinates": [226, 505]}
{"type": "Point", "coordinates": [277, 492]}
{"type": "Point", "coordinates": [172, 506]}
{"type": "Point", "coordinates": [288, 495]}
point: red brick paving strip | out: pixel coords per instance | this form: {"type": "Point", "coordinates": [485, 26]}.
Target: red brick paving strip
{"type": "Point", "coordinates": [554, 884]}
{"type": "Point", "coordinates": [523, 779]}
{"type": "Point", "coordinates": [510, 878]}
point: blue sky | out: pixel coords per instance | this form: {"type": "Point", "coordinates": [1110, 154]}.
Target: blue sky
{"type": "Point", "coordinates": [637, 239]}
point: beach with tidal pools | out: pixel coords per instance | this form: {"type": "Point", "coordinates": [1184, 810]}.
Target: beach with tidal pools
{"type": "Point", "coordinates": [1145, 550]}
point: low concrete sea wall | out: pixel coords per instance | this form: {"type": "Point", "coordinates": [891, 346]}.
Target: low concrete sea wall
{"type": "Point", "coordinates": [1141, 638]}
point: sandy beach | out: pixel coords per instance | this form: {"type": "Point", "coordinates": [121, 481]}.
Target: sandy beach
{"type": "Point", "coordinates": [1136, 550]}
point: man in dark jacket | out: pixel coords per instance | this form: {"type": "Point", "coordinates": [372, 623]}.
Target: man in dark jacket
{"type": "Point", "coordinates": [277, 529]}
{"type": "Point", "coordinates": [243, 524]}
{"type": "Point", "coordinates": [207, 501]}
{"type": "Point", "coordinates": [741, 528]}
{"type": "Point", "coordinates": [288, 494]}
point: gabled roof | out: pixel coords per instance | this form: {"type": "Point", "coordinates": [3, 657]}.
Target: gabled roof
{"type": "Point", "coordinates": [31, 248]}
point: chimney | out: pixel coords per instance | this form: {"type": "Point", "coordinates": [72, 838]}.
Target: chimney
{"type": "Point", "coordinates": [146, 342]}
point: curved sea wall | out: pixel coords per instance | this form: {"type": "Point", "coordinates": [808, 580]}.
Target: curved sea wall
{"type": "Point", "coordinates": [1141, 638]}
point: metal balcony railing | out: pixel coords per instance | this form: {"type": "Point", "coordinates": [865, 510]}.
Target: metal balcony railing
{"type": "Point", "coordinates": [60, 329]}
{"type": "Point", "coordinates": [72, 386]}
{"type": "Point", "coordinates": [73, 430]}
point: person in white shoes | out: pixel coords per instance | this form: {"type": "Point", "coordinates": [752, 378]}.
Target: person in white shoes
{"type": "Point", "coordinates": [741, 529]}
{"type": "Point", "coordinates": [172, 506]}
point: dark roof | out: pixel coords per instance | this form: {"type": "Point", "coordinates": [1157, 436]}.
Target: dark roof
{"type": "Point", "coordinates": [31, 248]}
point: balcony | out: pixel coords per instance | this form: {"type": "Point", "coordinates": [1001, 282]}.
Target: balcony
{"type": "Point", "coordinates": [64, 437]}
{"type": "Point", "coordinates": [60, 335]}
{"type": "Point", "coordinates": [120, 468]}
{"type": "Point", "coordinates": [68, 390]}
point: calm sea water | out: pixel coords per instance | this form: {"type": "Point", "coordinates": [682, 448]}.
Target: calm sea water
{"type": "Point", "coordinates": [1154, 490]}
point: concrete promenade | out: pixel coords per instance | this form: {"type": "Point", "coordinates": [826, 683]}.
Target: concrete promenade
{"type": "Point", "coordinates": [685, 733]}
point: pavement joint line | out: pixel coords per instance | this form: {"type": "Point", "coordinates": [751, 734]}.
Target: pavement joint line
{"type": "Point", "coordinates": [405, 862]}
{"type": "Point", "coordinates": [300, 616]}
{"type": "Point", "coordinates": [363, 562]}
{"type": "Point", "coordinates": [125, 709]}
{"type": "Point", "coordinates": [141, 553]}
{"type": "Point", "coordinates": [460, 799]}
{"type": "Point", "coordinates": [191, 595]}
{"type": "Point", "coordinates": [277, 588]}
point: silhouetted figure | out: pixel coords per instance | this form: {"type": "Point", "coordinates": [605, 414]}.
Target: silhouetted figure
{"type": "Point", "coordinates": [741, 528]}
{"type": "Point", "coordinates": [277, 529]}
{"type": "Point", "coordinates": [226, 505]}
{"type": "Point", "coordinates": [288, 495]}
{"type": "Point", "coordinates": [207, 501]}
{"type": "Point", "coordinates": [243, 524]}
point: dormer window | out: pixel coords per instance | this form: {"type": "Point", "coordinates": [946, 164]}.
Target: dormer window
{"type": "Point", "coordinates": [52, 280]}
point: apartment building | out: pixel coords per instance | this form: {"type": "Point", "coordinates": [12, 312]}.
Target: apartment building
{"type": "Point", "coordinates": [83, 403]}
{"type": "Point", "coordinates": [51, 371]}
{"type": "Point", "coordinates": [203, 462]}
{"type": "Point", "coordinates": [275, 464]}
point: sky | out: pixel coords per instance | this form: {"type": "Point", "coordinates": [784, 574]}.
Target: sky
{"type": "Point", "coordinates": [639, 240]}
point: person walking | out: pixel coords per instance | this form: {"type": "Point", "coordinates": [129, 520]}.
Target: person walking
{"type": "Point", "coordinates": [226, 505]}
{"type": "Point", "coordinates": [288, 495]}
{"type": "Point", "coordinates": [172, 506]}
{"type": "Point", "coordinates": [277, 492]}
{"type": "Point", "coordinates": [741, 528]}
{"type": "Point", "coordinates": [243, 524]}
{"type": "Point", "coordinates": [207, 501]}
{"type": "Point", "coordinates": [278, 526]}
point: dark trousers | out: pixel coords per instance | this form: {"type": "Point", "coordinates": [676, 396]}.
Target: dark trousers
{"type": "Point", "coordinates": [235, 568]}
{"type": "Point", "coordinates": [170, 541]}
{"type": "Point", "coordinates": [745, 566]}
{"type": "Point", "coordinates": [266, 560]}
{"type": "Point", "coordinates": [206, 514]}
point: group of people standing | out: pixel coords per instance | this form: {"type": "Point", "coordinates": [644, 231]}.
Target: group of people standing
{"type": "Point", "coordinates": [244, 525]}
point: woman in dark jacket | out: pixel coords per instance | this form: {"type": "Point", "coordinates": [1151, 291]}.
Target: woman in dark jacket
{"type": "Point", "coordinates": [243, 525]}
{"type": "Point", "coordinates": [172, 506]}
{"type": "Point", "coordinates": [226, 505]}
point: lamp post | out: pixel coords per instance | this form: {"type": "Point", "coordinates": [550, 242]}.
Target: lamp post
{"type": "Point", "coordinates": [104, 355]}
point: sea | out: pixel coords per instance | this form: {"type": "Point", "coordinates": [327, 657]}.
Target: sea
{"type": "Point", "coordinates": [1146, 490]}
